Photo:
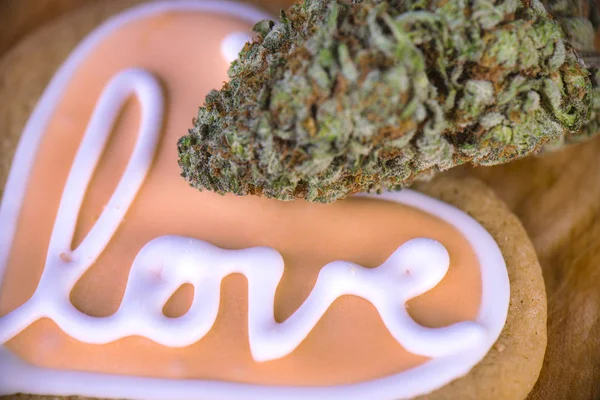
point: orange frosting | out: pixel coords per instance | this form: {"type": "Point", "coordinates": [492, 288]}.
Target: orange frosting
{"type": "Point", "coordinates": [349, 344]}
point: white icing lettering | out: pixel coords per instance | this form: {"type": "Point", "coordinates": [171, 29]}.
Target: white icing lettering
{"type": "Point", "coordinates": [413, 269]}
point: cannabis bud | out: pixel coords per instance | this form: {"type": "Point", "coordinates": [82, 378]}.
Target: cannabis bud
{"type": "Point", "coordinates": [580, 20]}
{"type": "Point", "coordinates": [343, 97]}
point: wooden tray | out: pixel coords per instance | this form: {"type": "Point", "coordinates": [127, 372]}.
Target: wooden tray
{"type": "Point", "coordinates": [557, 197]}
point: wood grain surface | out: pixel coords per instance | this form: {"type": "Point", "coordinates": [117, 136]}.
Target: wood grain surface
{"type": "Point", "coordinates": [557, 197]}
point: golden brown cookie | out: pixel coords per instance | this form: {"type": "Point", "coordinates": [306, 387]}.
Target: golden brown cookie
{"type": "Point", "coordinates": [510, 368]}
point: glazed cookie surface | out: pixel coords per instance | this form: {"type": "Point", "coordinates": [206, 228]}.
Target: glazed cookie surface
{"type": "Point", "coordinates": [509, 369]}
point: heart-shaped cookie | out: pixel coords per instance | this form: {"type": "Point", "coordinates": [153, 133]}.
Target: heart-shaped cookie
{"type": "Point", "coordinates": [120, 281]}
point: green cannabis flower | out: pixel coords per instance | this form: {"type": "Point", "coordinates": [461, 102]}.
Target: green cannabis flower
{"type": "Point", "coordinates": [580, 20]}
{"type": "Point", "coordinates": [339, 98]}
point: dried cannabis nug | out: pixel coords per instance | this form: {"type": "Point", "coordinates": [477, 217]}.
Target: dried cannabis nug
{"type": "Point", "coordinates": [580, 21]}
{"type": "Point", "coordinates": [342, 97]}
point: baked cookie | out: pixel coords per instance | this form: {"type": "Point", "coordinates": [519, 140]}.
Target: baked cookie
{"type": "Point", "coordinates": [120, 281]}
